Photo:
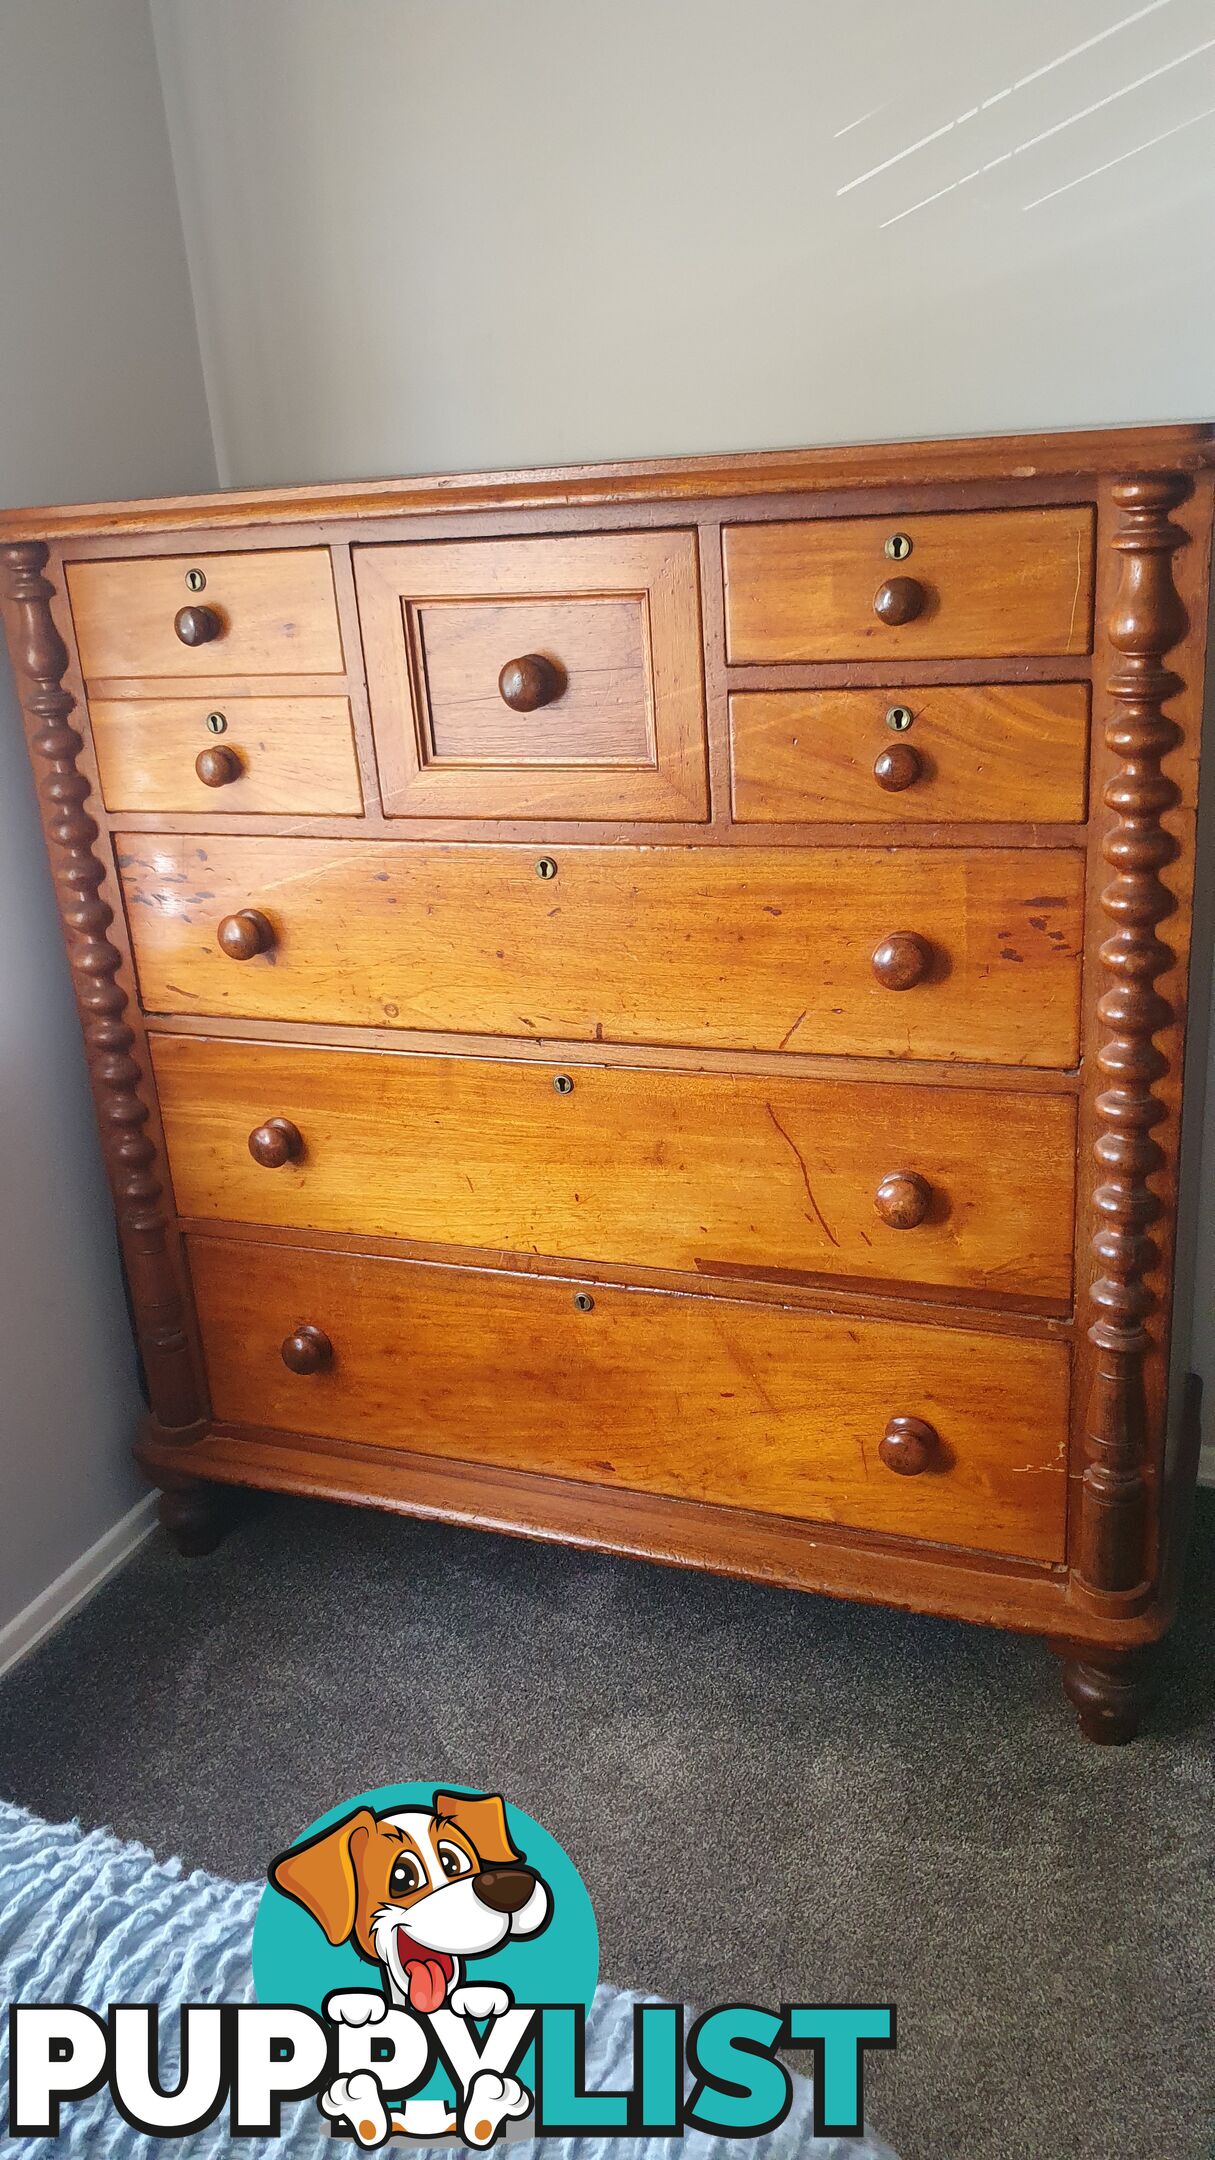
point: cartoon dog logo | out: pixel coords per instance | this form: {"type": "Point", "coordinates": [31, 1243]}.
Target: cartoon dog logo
{"type": "Point", "coordinates": [420, 1891]}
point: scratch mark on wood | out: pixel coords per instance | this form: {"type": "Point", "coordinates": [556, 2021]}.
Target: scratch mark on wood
{"type": "Point", "coordinates": [799, 1158]}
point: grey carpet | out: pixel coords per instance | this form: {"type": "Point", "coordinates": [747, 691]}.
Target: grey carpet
{"type": "Point", "coordinates": [770, 1796]}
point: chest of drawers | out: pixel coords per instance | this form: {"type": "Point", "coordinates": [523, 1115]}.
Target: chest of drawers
{"type": "Point", "coordinates": [647, 1005]}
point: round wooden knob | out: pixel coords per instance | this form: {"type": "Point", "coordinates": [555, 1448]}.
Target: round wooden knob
{"type": "Point", "coordinates": [276, 1142]}
{"type": "Point", "coordinates": [244, 934]}
{"type": "Point", "coordinates": [530, 682]}
{"type": "Point", "coordinates": [895, 768]}
{"type": "Point", "coordinates": [216, 767]}
{"type": "Point", "coordinates": [903, 1199]}
{"type": "Point", "coordinates": [899, 600]}
{"type": "Point", "coordinates": [197, 625]}
{"type": "Point", "coordinates": [902, 960]}
{"type": "Point", "coordinates": [907, 1445]}
{"type": "Point", "coordinates": [309, 1350]}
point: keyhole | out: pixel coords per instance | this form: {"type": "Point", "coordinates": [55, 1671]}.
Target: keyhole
{"type": "Point", "coordinates": [546, 867]}
{"type": "Point", "coordinates": [216, 723]}
{"type": "Point", "coordinates": [584, 1301]}
{"type": "Point", "coordinates": [899, 718]}
{"type": "Point", "coordinates": [898, 547]}
{"type": "Point", "coordinates": [195, 580]}
{"type": "Point", "coordinates": [563, 1084]}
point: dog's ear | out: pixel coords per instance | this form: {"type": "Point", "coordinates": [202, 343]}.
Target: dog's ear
{"type": "Point", "coordinates": [321, 1875]}
{"type": "Point", "coordinates": [482, 1818]}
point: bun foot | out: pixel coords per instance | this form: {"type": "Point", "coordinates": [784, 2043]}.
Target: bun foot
{"type": "Point", "coordinates": [1110, 1690]}
{"type": "Point", "coordinates": [194, 1515]}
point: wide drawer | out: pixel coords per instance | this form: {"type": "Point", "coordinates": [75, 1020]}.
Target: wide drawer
{"type": "Point", "coordinates": [274, 612]}
{"type": "Point", "coordinates": [529, 678]}
{"type": "Point", "coordinates": [945, 586]}
{"type": "Point", "coordinates": [707, 1172]}
{"type": "Point", "coordinates": [729, 948]}
{"type": "Point", "coordinates": [705, 1399]}
{"type": "Point", "coordinates": [1015, 752]}
{"type": "Point", "coordinates": [286, 755]}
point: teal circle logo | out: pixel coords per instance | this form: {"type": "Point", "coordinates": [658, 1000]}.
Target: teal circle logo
{"type": "Point", "coordinates": [425, 1899]}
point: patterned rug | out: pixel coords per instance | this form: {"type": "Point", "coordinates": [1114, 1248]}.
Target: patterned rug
{"type": "Point", "coordinates": [85, 1918]}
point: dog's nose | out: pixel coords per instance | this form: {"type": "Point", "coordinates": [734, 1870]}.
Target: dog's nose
{"type": "Point", "coordinates": [504, 1889]}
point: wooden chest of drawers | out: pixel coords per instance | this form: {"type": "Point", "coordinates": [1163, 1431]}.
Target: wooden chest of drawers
{"type": "Point", "coordinates": [648, 1005]}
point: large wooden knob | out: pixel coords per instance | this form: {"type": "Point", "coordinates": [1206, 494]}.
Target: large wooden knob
{"type": "Point", "coordinates": [530, 682]}
{"type": "Point", "coordinates": [244, 934]}
{"type": "Point", "coordinates": [276, 1142]}
{"type": "Point", "coordinates": [902, 960]}
{"type": "Point", "coordinates": [197, 625]}
{"type": "Point", "coordinates": [908, 1445]}
{"type": "Point", "coordinates": [899, 600]}
{"type": "Point", "coordinates": [309, 1350]}
{"type": "Point", "coordinates": [903, 1199]}
{"type": "Point", "coordinates": [217, 767]}
{"type": "Point", "coordinates": [895, 768]}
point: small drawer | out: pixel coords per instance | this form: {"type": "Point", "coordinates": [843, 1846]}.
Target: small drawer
{"type": "Point", "coordinates": [975, 585]}
{"type": "Point", "coordinates": [904, 952]}
{"type": "Point", "coordinates": [918, 1432]}
{"type": "Point", "coordinates": [713, 1174]}
{"type": "Point", "coordinates": [271, 612]}
{"type": "Point", "coordinates": [546, 678]}
{"type": "Point", "coordinates": [290, 756]}
{"type": "Point", "coordinates": [1015, 752]}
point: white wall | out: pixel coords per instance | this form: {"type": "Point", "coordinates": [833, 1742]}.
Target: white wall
{"type": "Point", "coordinates": [101, 394]}
{"type": "Point", "coordinates": [431, 234]}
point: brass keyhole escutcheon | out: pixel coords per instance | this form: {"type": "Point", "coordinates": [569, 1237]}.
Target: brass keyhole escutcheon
{"type": "Point", "coordinates": [584, 1301]}
{"type": "Point", "coordinates": [898, 547]}
{"type": "Point", "coordinates": [563, 1084]}
{"type": "Point", "coordinates": [900, 718]}
{"type": "Point", "coordinates": [546, 867]}
{"type": "Point", "coordinates": [217, 723]}
{"type": "Point", "coordinates": [195, 580]}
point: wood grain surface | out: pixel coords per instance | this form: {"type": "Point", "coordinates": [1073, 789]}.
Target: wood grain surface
{"type": "Point", "coordinates": [296, 755]}
{"type": "Point", "coordinates": [737, 1404]}
{"type": "Point", "coordinates": [276, 606]}
{"type": "Point", "coordinates": [679, 1170]}
{"type": "Point", "coordinates": [767, 949]}
{"type": "Point", "coordinates": [986, 754]}
{"type": "Point", "coordinates": [999, 581]}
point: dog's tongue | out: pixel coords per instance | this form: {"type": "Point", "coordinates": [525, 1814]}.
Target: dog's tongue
{"type": "Point", "coordinates": [427, 1984]}
{"type": "Point", "coordinates": [426, 1974]}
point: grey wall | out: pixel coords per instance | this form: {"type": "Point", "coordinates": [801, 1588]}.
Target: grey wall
{"type": "Point", "coordinates": [431, 234]}
{"type": "Point", "coordinates": [101, 394]}
{"type": "Point", "coordinates": [452, 233]}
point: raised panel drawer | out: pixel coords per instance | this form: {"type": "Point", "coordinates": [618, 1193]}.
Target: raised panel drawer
{"type": "Point", "coordinates": [985, 584]}
{"type": "Point", "coordinates": [1015, 753]}
{"type": "Point", "coordinates": [537, 678]}
{"type": "Point", "coordinates": [291, 756]}
{"type": "Point", "coordinates": [712, 1173]}
{"type": "Point", "coordinates": [727, 948]}
{"type": "Point", "coordinates": [275, 610]}
{"type": "Point", "coordinates": [705, 1399]}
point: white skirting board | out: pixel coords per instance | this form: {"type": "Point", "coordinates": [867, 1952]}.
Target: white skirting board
{"type": "Point", "coordinates": [69, 1591]}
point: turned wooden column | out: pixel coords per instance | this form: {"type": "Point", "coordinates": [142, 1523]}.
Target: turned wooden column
{"type": "Point", "coordinates": [1147, 621]}
{"type": "Point", "coordinates": [174, 1384]}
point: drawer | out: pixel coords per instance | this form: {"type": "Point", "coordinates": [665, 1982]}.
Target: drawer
{"type": "Point", "coordinates": [727, 948]}
{"type": "Point", "coordinates": [702, 1399]}
{"type": "Point", "coordinates": [968, 586]}
{"type": "Point", "coordinates": [554, 678]}
{"type": "Point", "coordinates": [705, 1172]}
{"type": "Point", "coordinates": [290, 755]}
{"type": "Point", "coordinates": [1014, 752]}
{"type": "Point", "coordinates": [274, 613]}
